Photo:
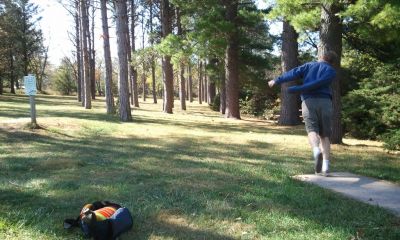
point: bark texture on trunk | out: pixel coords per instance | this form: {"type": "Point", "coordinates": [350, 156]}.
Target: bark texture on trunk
{"type": "Point", "coordinates": [211, 92]}
{"type": "Point", "coordinates": [107, 59]}
{"type": "Point", "coordinates": [200, 92]}
{"type": "Point", "coordinates": [190, 83]}
{"type": "Point", "coordinates": [331, 40]}
{"type": "Point", "coordinates": [86, 57]}
{"type": "Point", "coordinates": [289, 114]}
{"type": "Point", "coordinates": [222, 96]}
{"type": "Point", "coordinates": [122, 37]}
{"type": "Point", "coordinates": [166, 23]}
{"type": "Point", "coordinates": [153, 67]}
{"type": "Point", "coordinates": [132, 69]}
{"type": "Point", "coordinates": [78, 53]}
{"type": "Point", "coordinates": [182, 80]}
{"type": "Point", "coordinates": [232, 63]}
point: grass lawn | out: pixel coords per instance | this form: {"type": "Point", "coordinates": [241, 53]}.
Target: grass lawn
{"type": "Point", "coordinates": [190, 175]}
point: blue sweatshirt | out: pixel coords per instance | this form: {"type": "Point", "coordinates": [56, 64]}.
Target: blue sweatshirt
{"type": "Point", "coordinates": [317, 78]}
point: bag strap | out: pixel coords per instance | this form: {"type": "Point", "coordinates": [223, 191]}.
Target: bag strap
{"type": "Point", "coordinates": [70, 223]}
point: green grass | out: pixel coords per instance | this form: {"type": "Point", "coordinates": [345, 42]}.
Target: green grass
{"type": "Point", "coordinates": [190, 175]}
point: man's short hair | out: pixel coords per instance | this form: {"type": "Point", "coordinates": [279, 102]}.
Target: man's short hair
{"type": "Point", "coordinates": [330, 57]}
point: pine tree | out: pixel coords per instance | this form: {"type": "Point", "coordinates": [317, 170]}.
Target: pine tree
{"type": "Point", "coordinates": [122, 33]}
{"type": "Point", "coordinates": [289, 114]}
{"type": "Point", "coordinates": [166, 22]}
{"type": "Point", "coordinates": [85, 52]}
{"type": "Point", "coordinates": [107, 59]}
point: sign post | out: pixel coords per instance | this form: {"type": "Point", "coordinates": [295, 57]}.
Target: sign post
{"type": "Point", "coordinates": [30, 90]}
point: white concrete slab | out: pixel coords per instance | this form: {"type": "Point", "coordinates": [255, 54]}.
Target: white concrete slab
{"type": "Point", "coordinates": [365, 189]}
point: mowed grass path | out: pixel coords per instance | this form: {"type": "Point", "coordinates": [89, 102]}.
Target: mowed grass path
{"type": "Point", "coordinates": [190, 175]}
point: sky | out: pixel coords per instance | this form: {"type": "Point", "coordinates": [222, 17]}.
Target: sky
{"type": "Point", "coordinates": [57, 23]}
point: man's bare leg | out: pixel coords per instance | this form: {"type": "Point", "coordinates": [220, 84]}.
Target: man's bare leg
{"type": "Point", "coordinates": [313, 139]}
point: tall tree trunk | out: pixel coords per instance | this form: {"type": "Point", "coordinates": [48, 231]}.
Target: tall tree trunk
{"type": "Point", "coordinates": [232, 63]}
{"type": "Point", "coordinates": [81, 60]}
{"type": "Point", "coordinates": [1, 85]}
{"type": "Point", "coordinates": [25, 58]}
{"type": "Point", "coordinates": [12, 67]}
{"type": "Point", "coordinates": [144, 84]}
{"type": "Point", "coordinates": [182, 87]}
{"type": "Point", "coordinates": [132, 69]}
{"type": "Point", "coordinates": [187, 86]}
{"type": "Point", "coordinates": [78, 52]}
{"type": "Point", "coordinates": [143, 65]}
{"type": "Point", "coordinates": [86, 57]}
{"type": "Point", "coordinates": [132, 89]}
{"type": "Point", "coordinates": [153, 80]}
{"type": "Point", "coordinates": [211, 91]}
{"type": "Point", "coordinates": [190, 83]}
{"type": "Point", "coordinates": [39, 82]}
{"type": "Point", "coordinates": [200, 82]}
{"type": "Point", "coordinates": [91, 51]}
{"type": "Point", "coordinates": [182, 80]}
{"type": "Point", "coordinates": [289, 114]}
{"type": "Point", "coordinates": [153, 67]}
{"type": "Point", "coordinates": [122, 33]}
{"type": "Point", "coordinates": [331, 40]}
{"type": "Point", "coordinates": [82, 64]}
{"type": "Point", "coordinates": [166, 23]}
{"type": "Point", "coordinates": [107, 58]}
{"type": "Point", "coordinates": [222, 96]}
{"type": "Point", "coordinates": [205, 85]}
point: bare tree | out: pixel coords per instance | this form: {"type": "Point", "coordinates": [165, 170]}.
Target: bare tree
{"type": "Point", "coordinates": [78, 52]}
{"type": "Point", "coordinates": [85, 51]}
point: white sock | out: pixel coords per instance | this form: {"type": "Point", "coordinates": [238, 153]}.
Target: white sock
{"type": "Point", "coordinates": [325, 165]}
{"type": "Point", "coordinates": [316, 151]}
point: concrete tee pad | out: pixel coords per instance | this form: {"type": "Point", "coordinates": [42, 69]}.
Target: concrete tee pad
{"type": "Point", "coordinates": [365, 189]}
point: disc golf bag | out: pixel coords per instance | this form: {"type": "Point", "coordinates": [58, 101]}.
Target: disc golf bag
{"type": "Point", "coordinates": [102, 220]}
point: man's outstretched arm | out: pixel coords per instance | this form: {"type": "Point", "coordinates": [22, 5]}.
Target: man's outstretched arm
{"type": "Point", "coordinates": [288, 76]}
{"type": "Point", "coordinates": [323, 80]}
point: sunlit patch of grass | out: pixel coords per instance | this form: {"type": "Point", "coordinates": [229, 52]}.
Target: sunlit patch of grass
{"type": "Point", "coordinates": [189, 175]}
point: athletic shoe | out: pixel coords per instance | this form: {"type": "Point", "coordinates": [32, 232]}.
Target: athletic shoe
{"type": "Point", "coordinates": [325, 173]}
{"type": "Point", "coordinates": [318, 163]}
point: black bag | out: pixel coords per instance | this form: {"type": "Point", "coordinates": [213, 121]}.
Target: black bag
{"type": "Point", "coordinates": [108, 229]}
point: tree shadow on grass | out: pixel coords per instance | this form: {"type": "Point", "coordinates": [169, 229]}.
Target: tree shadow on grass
{"type": "Point", "coordinates": [195, 178]}
{"type": "Point", "coordinates": [218, 126]}
{"type": "Point", "coordinates": [23, 111]}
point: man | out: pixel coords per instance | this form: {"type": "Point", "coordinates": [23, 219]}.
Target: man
{"type": "Point", "coordinates": [316, 97]}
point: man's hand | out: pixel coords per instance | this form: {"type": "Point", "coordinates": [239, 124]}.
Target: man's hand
{"type": "Point", "coordinates": [271, 83]}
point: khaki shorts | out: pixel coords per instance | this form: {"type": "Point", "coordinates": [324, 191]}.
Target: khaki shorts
{"type": "Point", "coordinates": [317, 115]}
